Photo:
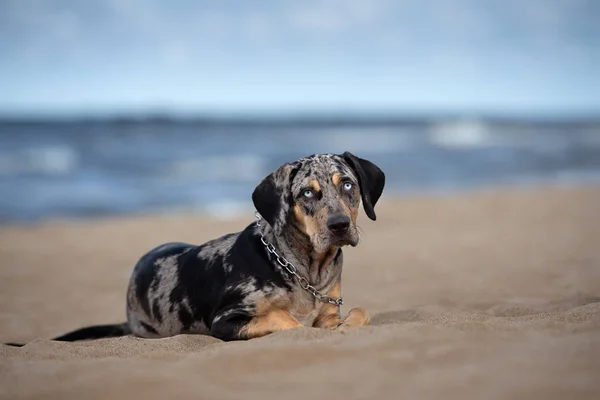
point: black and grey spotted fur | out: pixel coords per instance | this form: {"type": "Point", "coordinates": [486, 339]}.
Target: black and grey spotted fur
{"type": "Point", "coordinates": [216, 288]}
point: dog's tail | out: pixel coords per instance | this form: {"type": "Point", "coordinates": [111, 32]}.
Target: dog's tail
{"type": "Point", "coordinates": [95, 332]}
{"type": "Point", "coordinates": [89, 333]}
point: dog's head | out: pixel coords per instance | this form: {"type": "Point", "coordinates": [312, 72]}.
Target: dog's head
{"type": "Point", "coordinates": [320, 195]}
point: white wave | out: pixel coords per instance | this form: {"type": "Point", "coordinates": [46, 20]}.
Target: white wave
{"type": "Point", "coordinates": [232, 168]}
{"type": "Point", "coordinates": [464, 133]}
{"type": "Point", "coordinates": [55, 160]}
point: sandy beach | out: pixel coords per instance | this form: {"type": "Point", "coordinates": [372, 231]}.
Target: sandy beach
{"type": "Point", "coordinates": [492, 294]}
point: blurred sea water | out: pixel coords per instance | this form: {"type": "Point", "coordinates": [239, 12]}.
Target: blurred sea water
{"type": "Point", "coordinates": [96, 168]}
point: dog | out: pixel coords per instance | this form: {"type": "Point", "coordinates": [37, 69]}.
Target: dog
{"type": "Point", "coordinates": [281, 272]}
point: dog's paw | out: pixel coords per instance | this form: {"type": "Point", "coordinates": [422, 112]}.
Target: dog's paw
{"type": "Point", "coordinates": [356, 317]}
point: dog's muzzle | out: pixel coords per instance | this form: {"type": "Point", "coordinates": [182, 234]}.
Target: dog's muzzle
{"type": "Point", "coordinates": [340, 230]}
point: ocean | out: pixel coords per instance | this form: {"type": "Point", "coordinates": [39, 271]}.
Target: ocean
{"type": "Point", "coordinates": [98, 168]}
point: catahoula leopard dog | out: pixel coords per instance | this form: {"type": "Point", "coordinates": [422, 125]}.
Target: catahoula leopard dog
{"type": "Point", "coordinates": [281, 272]}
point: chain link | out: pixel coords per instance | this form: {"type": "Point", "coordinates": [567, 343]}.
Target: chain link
{"type": "Point", "coordinates": [291, 269]}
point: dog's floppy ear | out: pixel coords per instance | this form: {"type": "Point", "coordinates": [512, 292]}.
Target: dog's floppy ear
{"type": "Point", "coordinates": [272, 197]}
{"type": "Point", "coordinates": [370, 179]}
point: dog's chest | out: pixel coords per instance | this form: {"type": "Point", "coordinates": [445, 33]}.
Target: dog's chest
{"type": "Point", "coordinates": [304, 307]}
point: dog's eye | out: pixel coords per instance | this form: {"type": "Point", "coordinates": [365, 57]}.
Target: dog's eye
{"type": "Point", "coordinates": [308, 194]}
{"type": "Point", "coordinates": [347, 186]}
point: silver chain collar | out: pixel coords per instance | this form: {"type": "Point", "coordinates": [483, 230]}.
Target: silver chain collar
{"type": "Point", "coordinates": [291, 269]}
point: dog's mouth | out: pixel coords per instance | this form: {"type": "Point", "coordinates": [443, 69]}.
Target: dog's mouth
{"type": "Point", "coordinates": [344, 240]}
{"type": "Point", "coordinates": [328, 242]}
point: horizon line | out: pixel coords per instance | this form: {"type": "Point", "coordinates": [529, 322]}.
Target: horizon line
{"type": "Point", "coordinates": [341, 115]}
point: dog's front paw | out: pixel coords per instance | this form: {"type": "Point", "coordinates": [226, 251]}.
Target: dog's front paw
{"type": "Point", "coordinates": [356, 317]}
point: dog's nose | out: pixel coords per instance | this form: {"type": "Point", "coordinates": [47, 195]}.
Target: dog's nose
{"type": "Point", "coordinates": [338, 224]}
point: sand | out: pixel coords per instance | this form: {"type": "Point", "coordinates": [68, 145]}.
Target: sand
{"type": "Point", "coordinates": [492, 294]}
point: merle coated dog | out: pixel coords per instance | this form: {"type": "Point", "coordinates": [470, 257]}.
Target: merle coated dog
{"type": "Point", "coordinates": [279, 273]}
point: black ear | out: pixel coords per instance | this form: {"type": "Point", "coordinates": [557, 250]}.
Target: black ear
{"type": "Point", "coordinates": [371, 180]}
{"type": "Point", "coordinates": [272, 197]}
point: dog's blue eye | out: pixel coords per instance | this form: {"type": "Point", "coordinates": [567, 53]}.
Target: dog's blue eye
{"type": "Point", "coordinates": [347, 186]}
{"type": "Point", "coordinates": [308, 193]}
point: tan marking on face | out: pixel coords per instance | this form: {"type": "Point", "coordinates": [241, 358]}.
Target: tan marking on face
{"type": "Point", "coordinates": [300, 217]}
{"type": "Point", "coordinates": [336, 178]}
{"type": "Point", "coordinates": [310, 225]}
{"type": "Point", "coordinates": [352, 212]}
{"type": "Point", "coordinates": [274, 320]}
{"type": "Point", "coordinates": [314, 184]}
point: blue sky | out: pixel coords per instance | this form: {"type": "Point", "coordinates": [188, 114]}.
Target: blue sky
{"type": "Point", "coordinates": [103, 56]}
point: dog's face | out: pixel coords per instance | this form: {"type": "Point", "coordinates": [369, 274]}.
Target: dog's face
{"type": "Point", "coordinates": [320, 195]}
{"type": "Point", "coordinates": [325, 199]}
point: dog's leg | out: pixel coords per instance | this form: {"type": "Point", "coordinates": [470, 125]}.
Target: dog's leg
{"type": "Point", "coordinates": [234, 326]}
{"type": "Point", "coordinates": [329, 314]}
{"type": "Point", "coordinates": [275, 320]}
{"type": "Point", "coordinates": [356, 317]}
